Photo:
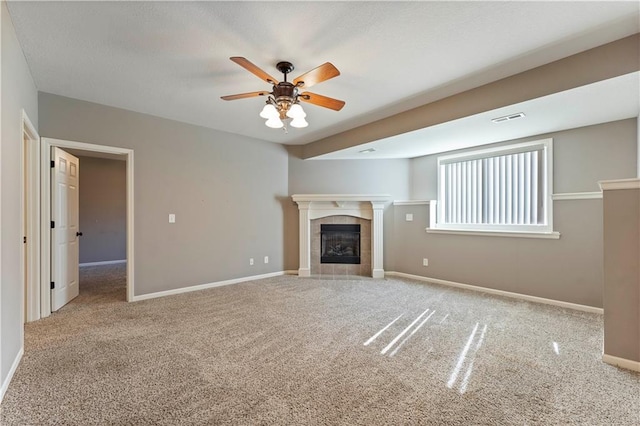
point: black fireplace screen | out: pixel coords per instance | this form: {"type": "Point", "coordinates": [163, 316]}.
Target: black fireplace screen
{"type": "Point", "coordinates": [340, 244]}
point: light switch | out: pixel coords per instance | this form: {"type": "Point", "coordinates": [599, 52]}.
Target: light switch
{"type": "Point", "coordinates": [409, 217]}
{"type": "Point", "coordinates": [172, 218]}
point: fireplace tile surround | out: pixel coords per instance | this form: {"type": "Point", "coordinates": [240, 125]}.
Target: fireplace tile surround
{"type": "Point", "coordinates": [341, 208]}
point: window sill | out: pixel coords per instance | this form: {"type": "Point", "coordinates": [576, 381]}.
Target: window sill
{"type": "Point", "coordinates": [545, 235]}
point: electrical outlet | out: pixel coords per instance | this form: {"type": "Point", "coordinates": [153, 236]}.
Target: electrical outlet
{"type": "Point", "coordinates": [251, 261]}
{"type": "Point", "coordinates": [425, 262]}
{"type": "Point", "coordinates": [266, 259]}
{"type": "Point", "coordinates": [409, 217]}
{"type": "Point", "coordinates": [172, 218]}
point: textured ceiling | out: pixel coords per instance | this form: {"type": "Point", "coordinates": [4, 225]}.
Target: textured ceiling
{"type": "Point", "coordinates": [171, 59]}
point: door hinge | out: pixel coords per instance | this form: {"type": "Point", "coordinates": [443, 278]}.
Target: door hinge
{"type": "Point", "coordinates": [24, 240]}
{"type": "Point", "coordinates": [53, 285]}
{"type": "Point", "coordinates": [53, 164]}
{"type": "Point", "coordinates": [53, 224]}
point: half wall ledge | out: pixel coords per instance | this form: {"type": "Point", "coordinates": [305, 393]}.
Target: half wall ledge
{"type": "Point", "coordinates": [365, 206]}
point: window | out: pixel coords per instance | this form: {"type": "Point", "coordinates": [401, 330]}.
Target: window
{"type": "Point", "coordinates": [504, 189]}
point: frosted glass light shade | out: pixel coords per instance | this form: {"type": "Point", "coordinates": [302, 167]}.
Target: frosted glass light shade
{"type": "Point", "coordinates": [296, 111]}
{"type": "Point", "coordinates": [269, 111]}
{"type": "Point", "coordinates": [274, 123]}
{"type": "Point", "coordinates": [299, 122]}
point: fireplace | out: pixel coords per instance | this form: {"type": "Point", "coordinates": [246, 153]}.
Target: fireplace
{"type": "Point", "coordinates": [340, 244]}
{"type": "Point", "coordinates": [367, 209]}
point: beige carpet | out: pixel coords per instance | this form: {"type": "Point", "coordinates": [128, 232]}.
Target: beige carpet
{"type": "Point", "coordinates": [299, 351]}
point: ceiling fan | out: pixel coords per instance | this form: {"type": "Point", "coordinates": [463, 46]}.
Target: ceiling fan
{"type": "Point", "coordinates": [283, 102]}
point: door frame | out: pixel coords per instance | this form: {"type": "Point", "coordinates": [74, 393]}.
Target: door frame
{"type": "Point", "coordinates": [45, 213]}
{"type": "Point", "coordinates": [30, 190]}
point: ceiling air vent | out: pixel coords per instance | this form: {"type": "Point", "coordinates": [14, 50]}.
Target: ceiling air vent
{"type": "Point", "coordinates": [508, 117]}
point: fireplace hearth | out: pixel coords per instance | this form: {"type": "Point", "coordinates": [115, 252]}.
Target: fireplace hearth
{"type": "Point", "coordinates": [340, 244]}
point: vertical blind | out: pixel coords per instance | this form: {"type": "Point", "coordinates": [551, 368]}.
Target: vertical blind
{"type": "Point", "coordinates": [499, 190]}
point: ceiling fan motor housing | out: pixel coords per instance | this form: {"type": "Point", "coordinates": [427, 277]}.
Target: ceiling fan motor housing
{"type": "Point", "coordinates": [285, 95]}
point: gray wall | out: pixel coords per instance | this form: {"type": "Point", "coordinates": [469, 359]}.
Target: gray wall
{"type": "Point", "coordinates": [18, 92]}
{"type": "Point", "coordinates": [103, 209]}
{"type": "Point", "coordinates": [569, 269]}
{"type": "Point", "coordinates": [224, 189]}
{"type": "Point", "coordinates": [622, 273]}
{"type": "Point", "coordinates": [345, 177]}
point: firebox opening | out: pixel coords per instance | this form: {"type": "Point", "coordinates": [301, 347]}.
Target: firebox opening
{"type": "Point", "coordinates": [340, 244]}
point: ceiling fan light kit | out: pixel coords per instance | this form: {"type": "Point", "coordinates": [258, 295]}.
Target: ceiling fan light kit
{"type": "Point", "coordinates": [269, 111]}
{"type": "Point", "coordinates": [283, 102]}
{"type": "Point", "coordinates": [274, 123]}
{"type": "Point", "coordinates": [296, 111]}
{"type": "Point", "coordinates": [299, 122]}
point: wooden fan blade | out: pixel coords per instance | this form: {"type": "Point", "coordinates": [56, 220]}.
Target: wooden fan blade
{"type": "Point", "coordinates": [317, 75]}
{"type": "Point", "coordinates": [322, 101]}
{"type": "Point", "coordinates": [254, 69]}
{"type": "Point", "coordinates": [244, 95]}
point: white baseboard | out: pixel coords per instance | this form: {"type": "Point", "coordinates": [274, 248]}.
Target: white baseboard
{"type": "Point", "coordinates": [14, 367]}
{"type": "Point", "coordinates": [105, 262]}
{"type": "Point", "coordinates": [621, 362]}
{"type": "Point", "coordinates": [528, 298]}
{"type": "Point", "coordinates": [205, 286]}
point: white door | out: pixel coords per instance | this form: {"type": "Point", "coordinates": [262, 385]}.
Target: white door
{"type": "Point", "coordinates": [64, 232]}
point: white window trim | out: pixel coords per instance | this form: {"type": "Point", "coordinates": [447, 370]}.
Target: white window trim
{"type": "Point", "coordinates": [530, 231]}
{"type": "Point", "coordinates": [544, 235]}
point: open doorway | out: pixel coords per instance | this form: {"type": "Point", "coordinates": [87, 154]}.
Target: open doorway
{"type": "Point", "coordinates": [103, 209]}
{"type": "Point", "coordinates": [96, 151]}
{"type": "Point", "coordinates": [103, 227]}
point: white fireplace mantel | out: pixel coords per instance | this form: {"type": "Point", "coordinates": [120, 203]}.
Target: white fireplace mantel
{"type": "Point", "coordinates": [366, 206]}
